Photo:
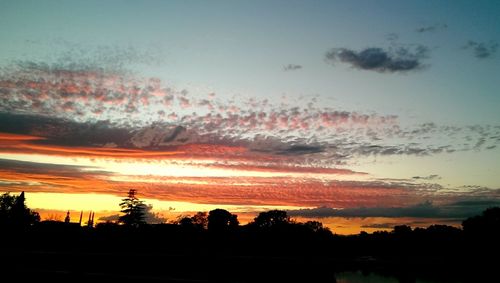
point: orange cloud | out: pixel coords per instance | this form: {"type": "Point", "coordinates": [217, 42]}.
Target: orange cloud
{"type": "Point", "coordinates": [4, 137]}
{"type": "Point", "coordinates": [12, 143]}
{"type": "Point", "coordinates": [298, 190]}
{"type": "Point", "coordinates": [87, 151]}
{"type": "Point", "coordinates": [219, 190]}
{"type": "Point", "coordinates": [288, 169]}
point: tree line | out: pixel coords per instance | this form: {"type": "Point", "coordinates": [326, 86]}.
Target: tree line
{"type": "Point", "coordinates": [216, 243]}
{"type": "Point", "coordinates": [15, 215]}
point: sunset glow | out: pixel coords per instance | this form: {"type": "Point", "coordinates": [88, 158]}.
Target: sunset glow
{"type": "Point", "coordinates": [274, 107]}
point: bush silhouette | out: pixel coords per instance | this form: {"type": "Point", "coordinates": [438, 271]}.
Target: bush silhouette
{"type": "Point", "coordinates": [272, 218]}
{"type": "Point", "coordinates": [222, 220]}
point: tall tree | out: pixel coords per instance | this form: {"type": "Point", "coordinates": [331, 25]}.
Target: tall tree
{"type": "Point", "coordinates": [15, 213]}
{"type": "Point", "coordinates": [133, 210]}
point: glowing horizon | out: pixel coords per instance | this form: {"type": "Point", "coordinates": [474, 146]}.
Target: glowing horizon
{"type": "Point", "coordinates": [298, 107]}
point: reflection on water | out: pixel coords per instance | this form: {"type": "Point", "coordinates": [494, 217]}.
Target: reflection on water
{"type": "Point", "coordinates": [359, 277]}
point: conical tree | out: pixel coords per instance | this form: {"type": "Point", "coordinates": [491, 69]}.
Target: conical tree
{"type": "Point", "coordinates": [133, 210]}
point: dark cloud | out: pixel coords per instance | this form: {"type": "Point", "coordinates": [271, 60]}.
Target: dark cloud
{"type": "Point", "coordinates": [457, 209]}
{"type": "Point", "coordinates": [64, 132]}
{"type": "Point", "coordinates": [292, 67]}
{"type": "Point", "coordinates": [421, 210]}
{"type": "Point", "coordinates": [473, 203]}
{"type": "Point", "coordinates": [175, 133]}
{"type": "Point", "coordinates": [379, 60]}
{"type": "Point", "coordinates": [301, 149]}
{"type": "Point", "coordinates": [427, 178]}
{"type": "Point", "coordinates": [379, 226]}
{"type": "Point", "coordinates": [343, 146]}
{"type": "Point", "coordinates": [431, 28]}
{"type": "Point", "coordinates": [69, 171]}
{"type": "Point", "coordinates": [482, 50]}
{"type": "Point", "coordinates": [390, 225]}
{"type": "Point", "coordinates": [60, 131]}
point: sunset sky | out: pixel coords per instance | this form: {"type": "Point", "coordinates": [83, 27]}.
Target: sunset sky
{"type": "Point", "coordinates": [360, 114]}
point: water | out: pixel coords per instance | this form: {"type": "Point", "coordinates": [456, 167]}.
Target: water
{"type": "Point", "coordinates": [359, 277]}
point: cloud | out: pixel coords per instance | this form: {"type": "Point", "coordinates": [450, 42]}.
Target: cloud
{"type": "Point", "coordinates": [423, 223]}
{"type": "Point", "coordinates": [111, 218]}
{"type": "Point", "coordinates": [45, 177]}
{"type": "Point", "coordinates": [184, 102]}
{"type": "Point", "coordinates": [243, 184]}
{"type": "Point", "coordinates": [92, 56]}
{"type": "Point", "coordinates": [292, 67]}
{"type": "Point", "coordinates": [238, 137]}
{"type": "Point", "coordinates": [456, 209]}
{"type": "Point", "coordinates": [431, 28]}
{"type": "Point", "coordinates": [482, 50]}
{"type": "Point", "coordinates": [297, 189]}
{"type": "Point", "coordinates": [45, 130]}
{"type": "Point", "coordinates": [427, 178]}
{"type": "Point", "coordinates": [287, 169]}
{"type": "Point", "coordinates": [275, 191]}
{"type": "Point", "coordinates": [379, 225]}
{"type": "Point", "coordinates": [81, 111]}
{"type": "Point", "coordinates": [81, 93]}
{"type": "Point", "coordinates": [25, 167]}
{"type": "Point", "coordinates": [376, 59]}
{"type": "Point", "coordinates": [301, 149]}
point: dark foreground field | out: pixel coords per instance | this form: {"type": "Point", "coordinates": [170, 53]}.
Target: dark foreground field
{"type": "Point", "coordinates": [157, 267]}
{"type": "Point", "coordinates": [169, 253]}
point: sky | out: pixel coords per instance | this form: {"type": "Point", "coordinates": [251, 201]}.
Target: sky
{"type": "Point", "coordinates": [360, 114]}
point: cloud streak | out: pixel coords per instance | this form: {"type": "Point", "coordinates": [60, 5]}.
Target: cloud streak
{"type": "Point", "coordinates": [338, 135]}
{"type": "Point", "coordinates": [482, 50]}
{"type": "Point", "coordinates": [457, 209]}
{"type": "Point", "coordinates": [431, 28]}
{"type": "Point", "coordinates": [350, 198]}
{"type": "Point", "coordinates": [427, 178]}
{"type": "Point", "coordinates": [301, 192]}
{"type": "Point", "coordinates": [292, 67]}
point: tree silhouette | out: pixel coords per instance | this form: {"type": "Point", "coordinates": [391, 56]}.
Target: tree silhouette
{"type": "Point", "coordinates": [402, 230]}
{"type": "Point", "coordinates": [15, 213]}
{"type": "Point", "coordinates": [221, 220]}
{"type": "Point", "coordinates": [486, 224]}
{"type": "Point", "coordinates": [200, 220]}
{"type": "Point", "coordinates": [186, 222]}
{"type": "Point", "coordinates": [133, 210]}
{"type": "Point", "coordinates": [67, 219]}
{"type": "Point", "coordinates": [314, 226]}
{"type": "Point", "coordinates": [272, 218]}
